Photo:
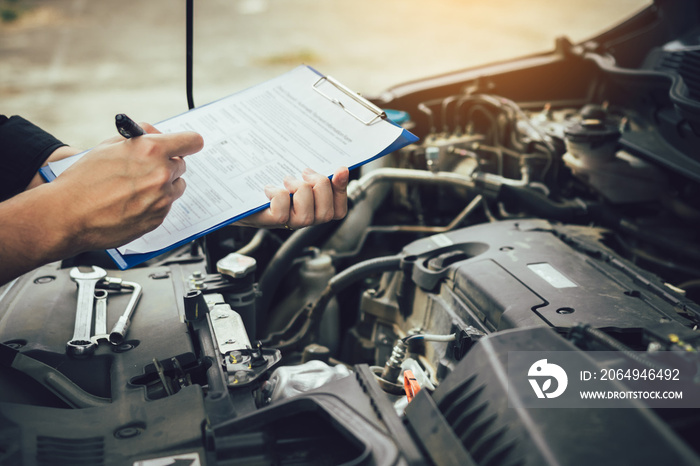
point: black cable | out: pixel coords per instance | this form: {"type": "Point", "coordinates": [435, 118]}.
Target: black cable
{"type": "Point", "coordinates": [348, 277]}
{"type": "Point", "coordinates": [282, 262]}
{"type": "Point", "coordinates": [303, 328]}
{"type": "Point", "coordinates": [189, 33]}
{"type": "Point", "coordinates": [536, 203]}
{"type": "Point", "coordinates": [362, 270]}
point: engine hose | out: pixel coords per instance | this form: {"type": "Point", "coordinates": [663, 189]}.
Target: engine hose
{"type": "Point", "coordinates": [542, 206]}
{"type": "Point", "coordinates": [605, 339]}
{"type": "Point", "coordinates": [578, 211]}
{"type": "Point", "coordinates": [312, 313]}
{"type": "Point", "coordinates": [348, 277]}
{"type": "Point", "coordinates": [677, 246]}
{"type": "Point", "coordinates": [604, 215]}
{"type": "Point", "coordinates": [362, 270]}
{"type": "Point", "coordinates": [281, 263]}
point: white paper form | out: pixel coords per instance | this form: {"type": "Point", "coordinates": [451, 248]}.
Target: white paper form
{"type": "Point", "coordinates": [255, 138]}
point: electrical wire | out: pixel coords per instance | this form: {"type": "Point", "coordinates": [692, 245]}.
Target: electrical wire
{"type": "Point", "coordinates": [255, 242]}
{"type": "Point", "coordinates": [310, 316]}
{"type": "Point", "coordinates": [189, 39]}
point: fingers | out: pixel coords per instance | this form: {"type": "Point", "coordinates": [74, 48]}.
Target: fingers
{"type": "Point", "coordinates": [275, 216]}
{"type": "Point", "coordinates": [166, 151]}
{"type": "Point", "coordinates": [171, 147]}
{"type": "Point", "coordinates": [175, 146]}
{"type": "Point", "coordinates": [178, 188]}
{"type": "Point", "coordinates": [149, 128]}
{"type": "Point", "coordinates": [322, 195]}
{"type": "Point", "coordinates": [165, 145]}
{"type": "Point", "coordinates": [181, 144]}
{"type": "Point", "coordinates": [168, 145]}
{"type": "Point", "coordinates": [314, 199]}
{"type": "Point", "coordinates": [178, 167]}
{"type": "Point", "coordinates": [340, 181]}
{"type": "Point", "coordinates": [280, 205]}
{"type": "Point", "coordinates": [119, 138]}
{"type": "Point", "coordinates": [330, 196]}
{"type": "Point", "coordinates": [302, 209]}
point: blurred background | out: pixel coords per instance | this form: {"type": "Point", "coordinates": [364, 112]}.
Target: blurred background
{"type": "Point", "coordinates": [71, 65]}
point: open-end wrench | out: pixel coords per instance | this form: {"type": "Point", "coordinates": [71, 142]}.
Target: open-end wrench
{"type": "Point", "coordinates": [100, 317]}
{"type": "Point", "coordinates": [81, 345]}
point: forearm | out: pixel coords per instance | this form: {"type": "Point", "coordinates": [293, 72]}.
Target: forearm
{"type": "Point", "coordinates": [33, 232]}
{"type": "Point", "coordinates": [116, 193]}
{"type": "Point", "coordinates": [30, 237]}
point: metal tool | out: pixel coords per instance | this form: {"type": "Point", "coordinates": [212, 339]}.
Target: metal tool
{"type": "Point", "coordinates": [116, 336]}
{"type": "Point", "coordinates": [80, 345]}
{"type": "Point", "coordinates": [100, 317]}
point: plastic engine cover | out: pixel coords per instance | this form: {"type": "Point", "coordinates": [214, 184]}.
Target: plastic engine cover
{"type": "Point", "coordinates": [527, 273]}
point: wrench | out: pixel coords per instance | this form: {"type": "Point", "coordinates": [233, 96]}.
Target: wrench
{"type": "Point", "coordinates": [80, 345]}
{"type": "Point", "coordinates": [100, 317]}
{"type": "Point", "coordinates": [116, 336]}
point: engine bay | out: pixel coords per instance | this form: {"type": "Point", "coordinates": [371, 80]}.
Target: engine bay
{"type": "Point", "coordinates": [552, 204]}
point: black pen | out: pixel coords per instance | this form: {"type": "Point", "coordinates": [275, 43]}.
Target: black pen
{"type": "Point", "coordinates": [128, 127]}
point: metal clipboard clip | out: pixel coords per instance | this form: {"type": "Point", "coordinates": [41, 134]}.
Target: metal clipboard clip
{"type": "Point", "coordinates": [377, 112]}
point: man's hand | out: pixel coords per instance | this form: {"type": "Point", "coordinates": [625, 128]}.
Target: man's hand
{"type": "Point", "coordinates": [119, 191]}
{"type": "Point", "coordinates": [315, 199]}
{"type": "Point", "coordinates": [132, 185]}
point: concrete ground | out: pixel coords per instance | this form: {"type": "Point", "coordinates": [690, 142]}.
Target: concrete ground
{"type": "Point", "coordinates": [71, 65]}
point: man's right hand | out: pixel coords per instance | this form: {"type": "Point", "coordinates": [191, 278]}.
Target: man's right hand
{"type": "Point", "coordinates": [120, 190]}
{"type": "Point", "coordinates": [124, 188]}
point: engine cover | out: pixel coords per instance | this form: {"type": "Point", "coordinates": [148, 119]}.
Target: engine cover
{"type": "Point", "coordinates": [524, 273]}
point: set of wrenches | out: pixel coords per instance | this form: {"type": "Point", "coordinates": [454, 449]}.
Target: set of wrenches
{"type": "Point", "coordinates": [93, 289]}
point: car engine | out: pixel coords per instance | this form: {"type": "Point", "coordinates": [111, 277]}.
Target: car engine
{"type": "Point", "coordinates": [552, 204]}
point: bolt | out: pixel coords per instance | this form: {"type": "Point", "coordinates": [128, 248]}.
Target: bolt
{"type": "Point", "coordinates": [197, 280]}
{"type": "Point", "coordinates": [44, 280]}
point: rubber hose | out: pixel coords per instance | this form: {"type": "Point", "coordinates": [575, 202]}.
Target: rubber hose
{"type": "Point", "coordinates": [336, 284]}
{"type": "Point", "coordinates": [540, 205]}
{"type": "Point", "coordinates": [350, 276]}
{"type": "Point", "coordinates": [281, 263]}
{"type": "Point", "coordinates": [362, 270]}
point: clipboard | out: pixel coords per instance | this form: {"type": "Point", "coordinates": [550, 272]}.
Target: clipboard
{"type": "Point", "coordinates": [377, 113]}
{"type": "Point", "coordinates": [342, 98]}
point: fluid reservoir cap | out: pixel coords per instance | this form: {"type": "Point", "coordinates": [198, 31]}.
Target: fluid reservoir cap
{"type": "Point", "coordinates": [236, 265]}
{"type": "Point", "coordinates": [591, 111]}
{"type": "Point", "coordinates": [432, 153]}
{"type": "Point", "coordinates": [397, 116]}
{"type": "Point", "coordinates": [320, 262]}
{"type": "Point", "coordinates": [592, 131]}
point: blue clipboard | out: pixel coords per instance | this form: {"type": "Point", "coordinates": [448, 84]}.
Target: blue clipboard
{"type": "Point", "coordinates": [126, 261]}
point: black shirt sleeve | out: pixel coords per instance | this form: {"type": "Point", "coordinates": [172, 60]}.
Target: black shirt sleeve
{"type": "Point", "coordinates": [24, 147]}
